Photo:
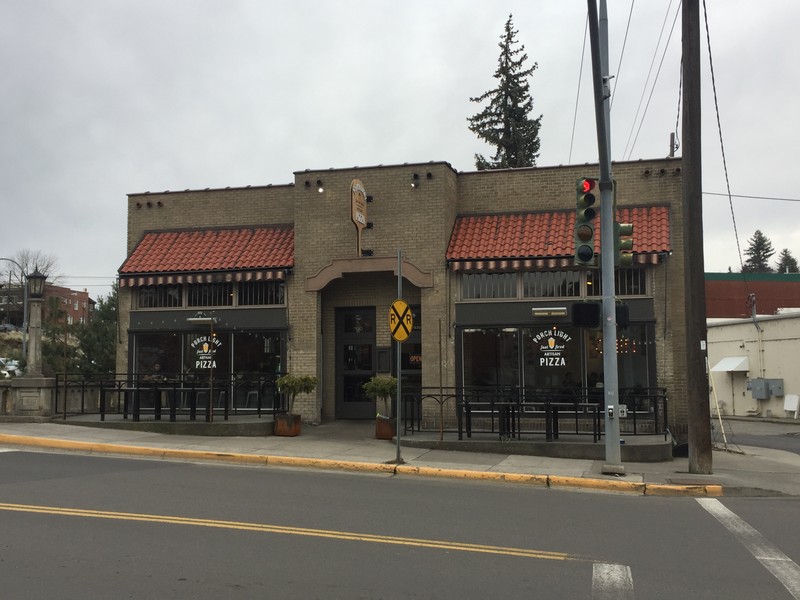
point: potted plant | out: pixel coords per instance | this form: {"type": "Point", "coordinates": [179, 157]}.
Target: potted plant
{"type": "Point", "coordinates": [288, 424]}
{"type": "Point", "coordinates": [382, 388]}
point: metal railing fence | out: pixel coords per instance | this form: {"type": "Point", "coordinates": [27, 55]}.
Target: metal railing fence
{"type": "Point", "coordinates": [176, 395]}
{"type": "Point", "coordinates": [512, 412]}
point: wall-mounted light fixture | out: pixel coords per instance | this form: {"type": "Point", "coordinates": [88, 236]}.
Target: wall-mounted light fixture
{"type": "Point", "coordinates": [549, 311]}
{"type": "Point", "coordinates": [308, 183]}
{"type": "Point", "coordinates": [320, 188]}
{"type": "Point", "coordinates": [428, 175]}
{"type": "Point", "coordinates": [415, 180]}
{"type": "Point", "coordinates": [647, 172]}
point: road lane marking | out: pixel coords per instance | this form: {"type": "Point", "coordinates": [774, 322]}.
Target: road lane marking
{"type": "Point", "coordinates": [776, 562]}
{"type": "Point", "coordinates": [322, 533]}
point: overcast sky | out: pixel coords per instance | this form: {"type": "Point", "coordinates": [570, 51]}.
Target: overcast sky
{"type": "Point", "coordinates": [101, 98]}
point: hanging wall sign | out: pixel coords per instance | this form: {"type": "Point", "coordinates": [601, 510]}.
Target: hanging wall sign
{"type": "Point", "coordinates": [205, 347]}
{"type": "Point", "coordinates": [552, 345]}
{"type": "Point", "coordinates": [358, 209]}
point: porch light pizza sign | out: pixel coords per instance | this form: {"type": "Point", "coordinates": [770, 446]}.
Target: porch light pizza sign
{"type": "Point", "coordinates": [205, 347]}
{"type": "Point", "coordinates": [552, 344]}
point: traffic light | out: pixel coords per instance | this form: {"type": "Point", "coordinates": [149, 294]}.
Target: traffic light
{"type": "Point", "coordinates": [587, 314]}
{"type": "Point", "coordinates": [585, 222]}
{"type": "Point", "coordinates": [623, 244]}
{"type": "Point", "coordinates": [590, 314]}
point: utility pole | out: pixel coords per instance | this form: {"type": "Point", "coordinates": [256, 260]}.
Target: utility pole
{"type": "Point", "coordinates": [699, 412]}
{"type": "Point", "coordinates": [598, 33]}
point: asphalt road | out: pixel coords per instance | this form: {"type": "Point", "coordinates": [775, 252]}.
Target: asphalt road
{"type": "Point", "coordinates": [78, 526]}
{"type": "Point", "coordinates": [778, 436]}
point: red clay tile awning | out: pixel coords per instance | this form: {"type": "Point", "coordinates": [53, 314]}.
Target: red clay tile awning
{"type": "Point", "coordinates": [206, 255]}
{"type": "Point", "coordinates": [546, 240]}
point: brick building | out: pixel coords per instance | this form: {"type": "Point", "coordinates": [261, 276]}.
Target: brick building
{"type": "Point", "coordinates": [77, 305]}
{"type": "Point", "coordinates": [737, 295]}
{"type": "Point", "coordinates": [300, 278]}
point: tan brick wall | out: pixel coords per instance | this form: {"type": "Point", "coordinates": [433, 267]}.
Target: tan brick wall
{"type": "Point", "coordinates": [228, 207]}
{"type": "Point", "coordinates": [419, 221]}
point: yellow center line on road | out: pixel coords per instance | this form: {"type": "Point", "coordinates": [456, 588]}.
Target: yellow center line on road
{"type": "Point", "coordinates": [322, 533]}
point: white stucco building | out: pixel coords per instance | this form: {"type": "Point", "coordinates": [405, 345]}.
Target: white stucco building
{"type": "Point", "coordinates": [755, 365]}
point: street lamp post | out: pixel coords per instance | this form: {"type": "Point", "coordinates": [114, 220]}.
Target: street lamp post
{"type": "Point", "coordinates": [35, 289]}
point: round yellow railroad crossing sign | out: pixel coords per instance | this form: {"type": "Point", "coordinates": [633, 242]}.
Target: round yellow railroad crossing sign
{"type": "Point", "coordinates": [401, 321]}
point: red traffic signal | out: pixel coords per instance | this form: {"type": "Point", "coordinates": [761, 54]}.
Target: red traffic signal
{"type": "Point", "coordinates": [586, 185]}
{"type": "Point", "coordinates": [585, 212]}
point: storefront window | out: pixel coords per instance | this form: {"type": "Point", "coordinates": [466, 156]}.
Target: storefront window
{"type": "Point", "coordinates": [205, 352]}
{"type": "Point", "coordinates": [566, 358]}
{"type": "Point", "coordinates": [491, 357]}
{"type": "Point", "coordinates": [411, 357]}
{"type": "Point", "coordinates": [256, 364]}
{"type": "Point", "coordinates": [159, 296]}
{"type": "Point", "coordinates": [627, 282]}
{"type": "Point", "coordinates": [162, 349]}
{"type": "Point", "coordinates": [551, 284]}
{"type": "Point", "coordinates": [633, 369]}
{"type": "Point", "coordinates": [552, 357]}
{"type": "Point", "coordinates": [359, 322]}
{"type": "Point", "coordinates": [244, 365]}
{"type": "Point", "coordinates": [261, 293]}
{"type": "Point", "coordinates": [210, 294]}
{"type": "Point", "coordinates": [257, 353]}
{"type": "Point", "coordinates": [488, 285]}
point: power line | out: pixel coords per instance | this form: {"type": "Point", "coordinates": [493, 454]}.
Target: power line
{"type": "Point", "coordinates": [655, 79]}
{"type": "Point", "coordinates": [647, 81]}
{"type": "Point", "coordinates": [622, 54]}
{"type": "Point", "coordinates": [729, 195]}
{"type": "Point", "coordinates": [677, 142]}
{"type": "Point", "coordinates": [578, 96]}
{"type": "Point", "coordinates": [719, 129]}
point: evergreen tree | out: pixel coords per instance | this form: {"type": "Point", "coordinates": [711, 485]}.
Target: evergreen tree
{"type": "Point", "coordinates": [758, 254]}
{"type": "Point", "coordinates": [786, 262]}
{"type": "Point", "coordinates": [97, 338]}
{"type": "Point", "coordinates": [58, 342]}
{"type": "Point", "coordinates": [505, 123]}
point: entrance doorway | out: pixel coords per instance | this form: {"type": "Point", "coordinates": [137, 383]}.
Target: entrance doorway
{"type": "Point", "coordinates": [355, 362]}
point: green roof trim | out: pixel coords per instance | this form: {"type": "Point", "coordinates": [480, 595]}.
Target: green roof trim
{"type": "Point", "coordinates": [752, 277]}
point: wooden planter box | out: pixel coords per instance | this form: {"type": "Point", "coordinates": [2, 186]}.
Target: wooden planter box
{"type": "Point", "coordinates": [287, 425]}
{"type": "Point", "coordinates": [384, 428]}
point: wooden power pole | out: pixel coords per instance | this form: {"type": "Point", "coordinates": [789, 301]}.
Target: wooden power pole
{"type": "Point", "coordinates": [699, 412]}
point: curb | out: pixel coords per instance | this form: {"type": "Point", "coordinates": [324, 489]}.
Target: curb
{"type": "Point", "coordinates": [547, 481]}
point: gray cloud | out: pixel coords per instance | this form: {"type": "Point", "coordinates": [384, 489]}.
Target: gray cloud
{"type": "Point", "coordinates": [100, 99]}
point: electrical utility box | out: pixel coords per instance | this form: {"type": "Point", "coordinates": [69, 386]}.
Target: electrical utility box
{"type": "Point", "coordinates": [764, 389]}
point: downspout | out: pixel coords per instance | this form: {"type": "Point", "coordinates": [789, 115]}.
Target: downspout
{"type": "Point", "coordinates": [751, 302]}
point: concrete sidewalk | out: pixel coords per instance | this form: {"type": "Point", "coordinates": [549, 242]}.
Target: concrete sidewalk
{"type": "Point", "coordinates": [351, 446]}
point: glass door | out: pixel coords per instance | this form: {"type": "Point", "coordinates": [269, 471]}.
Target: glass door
{"type": "Point", "coordinates": [355, 362]}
